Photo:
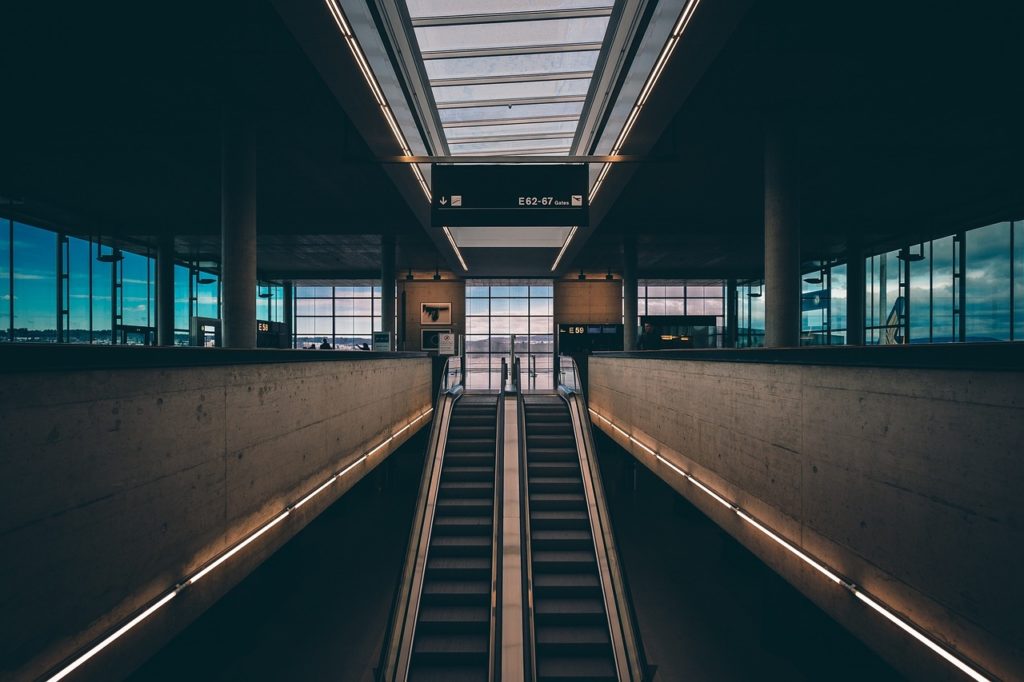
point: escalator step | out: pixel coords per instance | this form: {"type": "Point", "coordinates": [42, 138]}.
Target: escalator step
{"type": "Point", "coordinates": [555, 484]}
{"type": "Point", "coordinates": [562, 539]}
{"type": "Point", "coordinates": [546, 501]}
{"type": "Point", "coordinates": [470, 445]}
{"type": "Point", "coordinates": [457, 592]}
{"type": "Point", "coordinates": [451, 647]}
{"type": "Point", "coordinates": [554, 469]}
{"type": "Point", "coordinates": [467, 473]}
{"type": "Point", "coordinates": [566, 584]}
{"type": "Point", "coordinates": [584, 639]}
{"type": "Point", "coordinates": [424, 672]}
{"type": "Point", "coordinates": [460, 545]}
{"type": "Point", "coordinates": [569, 610]}
{"type": "Point", "coordinates": [565, 518]}
{"type": "Point", "coordinates": [458, 568]}
{"type": "Point", "coordinates": [475, 506]}
{"type": "Point", "coordinates": [563, 561]}
{"type": "Point", "coordinates": [455, 618]}
{"type": "Point", "coordinates": [551, 455]}
{"type": "Point", "coordinates": [597, 669]}
{"type": "Point", "coordinates": [466, 488]}
{"type": "Point", "coordinates": [475, 525]}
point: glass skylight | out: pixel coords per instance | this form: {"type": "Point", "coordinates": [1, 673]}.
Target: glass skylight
{"type": "Point", "coordinates": [509, 77]}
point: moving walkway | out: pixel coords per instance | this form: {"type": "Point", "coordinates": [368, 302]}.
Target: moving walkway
{"type": "Point", "coordinates": [511, 571]}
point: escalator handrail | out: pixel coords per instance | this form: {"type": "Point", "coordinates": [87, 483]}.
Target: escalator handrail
{"type": "Point", "coordinates": [406, 596]}
{"type": "Point", "coordinates": [494, 660]}
{"type": "Point", "coordinates": [526, 555]}
{"type": "Point", "coordinates": [627, 642]}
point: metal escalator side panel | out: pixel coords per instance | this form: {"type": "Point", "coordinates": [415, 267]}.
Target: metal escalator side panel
{"type": "Point", "coordinates": [629, 656]}
{"type": "Point", "coordinates": [399, 639]}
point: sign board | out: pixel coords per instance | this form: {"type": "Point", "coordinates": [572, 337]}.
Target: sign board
{"type": "Point", "coordinates": [446, 343]}
{"type": "Point", "coordinates": [585, 338]}
{"type": "Point", "coordinates": [509, 196]}
{"type": "Point", "coordinates": [382, 342]}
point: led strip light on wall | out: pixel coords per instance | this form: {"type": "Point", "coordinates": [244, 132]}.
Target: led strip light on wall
{"type": "Point", "coordinates": [223, 557]}
{"type": "Point", "coordinates": [889, 614]}
{"type": "Point", "coordinates": [378, 93]}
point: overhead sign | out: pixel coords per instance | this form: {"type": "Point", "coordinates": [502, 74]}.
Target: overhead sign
{"type": "Point", "coordinates": [509, 195]}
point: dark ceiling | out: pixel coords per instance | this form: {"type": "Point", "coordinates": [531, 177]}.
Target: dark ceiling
{"type": "Point", "coordinates": [908, 117]}
{"type": "Point", "coordinates": [113, 122]}
{"type": "Point", "coordinates": [907, 114]}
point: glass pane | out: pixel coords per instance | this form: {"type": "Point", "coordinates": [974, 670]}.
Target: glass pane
{"type": "Point", "coordinates": [505, 112]}
{"type": "Point", "coordinates": [499, 306]}
{"type": "Point", "coordinates": [5, 278]}
{"type": "Point", "coordinates": [988, 281]}
{"type": "Point", "coordinates": [362, 306]}
{"type": "Point", "coordinates": [655, 306]}
{"type": "Point", "coordinates": [542, 291]}
{"type": "Point", "coordinates": [477, 306]}
{"type": "Point", "coordinates": [942, 291]}
{"type": "Point", "coordinates": [304, 325]}
{"type": "Point", "coordinates": [512, 145]}
{"type": "Point", "coordinates": [519, 325]}
{"type": "Point", "coordinates": [511, 34]}
{"type": "Point", "coordinates": [540, 325]}
{"type": "Point", "coordinates": [1018, 280]}
{"type": "Point", "coordinates": [519, 306]}
{"type": "Point", "coordinates": [675, 307]}
{"type": "Point", "coordinates": [477, 325]}
{"type": "Point", "coordinates": [35, 284]}
{"type": "Point", "coordinates": [450, 8]}
{"type": "Point", "coordinates": [520, 90]}
{"type": "Point", "coordinates": [477, 292]}
{"type": "Point", "coordinates": [468, 132]}
{"type": "Point", "coordinates": [78, 288]}
{"type": "Point", "coordinates": [136, 292]}
{"type": "Point", "coordinates": [500, 325]}
{"type": "Point", "coordinates": [920, 298]}
{"type": "Point", "coordinates": [512, 65]}
{"type": "Point", "coordinates": [837, 298]}
{"type": "Point", "coordinates": [655, 292]}
{"type": "Point", "coordinates": [540, 306]}
{"type": "Point", "coordinates": [324, 306]}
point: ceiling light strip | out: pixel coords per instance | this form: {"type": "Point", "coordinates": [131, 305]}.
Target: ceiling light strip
{"type": "Point", "coordinates": [223, 557]}
{"type": "Point", "coordinates": [458, 254]}
{"type": "Point", "coordinates": [558, 259]}
{"type": "Point", "coordinates": [378, 93]}
{"type": "Point", "coordinates": [645, 91]}
{"type": "Point", "coordinates": [907, 626]}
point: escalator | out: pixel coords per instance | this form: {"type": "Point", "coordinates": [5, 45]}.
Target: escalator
{"type": "Point", "coordinates": [452, 639]}
{"type": "Point", "coordinates": [571, 629]}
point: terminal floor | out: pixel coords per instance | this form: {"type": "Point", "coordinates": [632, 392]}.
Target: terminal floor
{"type": "Point", "coordinates": [707, 608]}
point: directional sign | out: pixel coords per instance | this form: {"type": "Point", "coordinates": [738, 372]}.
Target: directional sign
{"type": "Point", "coordinates": [509, 195]}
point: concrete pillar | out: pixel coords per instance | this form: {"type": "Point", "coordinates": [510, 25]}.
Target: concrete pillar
{"type": "Point", "coordinates": [855, 295]}
{"type": "Point", "coordinates": [629, 293]}
{"type": "Point", "coordinates": [731, 314]}
{"type": "Point", "coordinates": [288, 290]}
{"type": "Point", "coordinates": [387, 286]}
{"type": "Point", "coordinates": [238, 235]}
{"type": "Point", "coordinates": [165, 291]}
{"type": "Point", "coordinates": [781, 239]}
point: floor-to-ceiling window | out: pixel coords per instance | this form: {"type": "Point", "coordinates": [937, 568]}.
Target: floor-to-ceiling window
{"type": "Point", "coordinates": [823, 305]}
{"type": "Point", "coordinates": [497, 310]}
{"type": "Point", "coordinates": [962, 287]}
{"type": "Point", "coordinates": [344, 313]}
{"type": "Point", "coordinates": [750, 314]}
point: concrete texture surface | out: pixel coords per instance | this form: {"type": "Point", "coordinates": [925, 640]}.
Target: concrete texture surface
{"type": "Point", "coordinates": [904, 480]}
{"type": "Point", "coordinates": [119, 483]}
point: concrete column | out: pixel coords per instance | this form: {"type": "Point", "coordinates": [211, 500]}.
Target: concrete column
{"type": "Point", "coordinates": [781, 239]}
{"type": "Point", "coordinates": [289, 299]}
{"type": "Point", "coordinates": [629, 293]}
{"type": "Point", "coordinates": [165, 291]}
{"type": "Point", "coordinates": [731, 314]}
{"type": "Point", "coordinates": [238, 235]}
{"type": "Point", "coordinates": [387, 286]}
{"type": "Point", "coordinates": [855, 295]}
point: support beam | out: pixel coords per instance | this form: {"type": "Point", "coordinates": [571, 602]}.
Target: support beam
{"type": "Point", "coordinates": [238, 235]}
{"type": "Point", "coordinates": [387, 286]}
{"type": "Point", "coordinates": [781, 238]}
{"type": "Point", "coordinates": [731, 315]}
{"type": "Point", "coordinates": [289, 314]}
{"type": "Point", "coordinates": [855, 295]}
{"type": "Point", "coordinates": [165, 291]}
{"type": "Point", "coordinates": [629, 293]}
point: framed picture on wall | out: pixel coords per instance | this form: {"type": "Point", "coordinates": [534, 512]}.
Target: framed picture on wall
{"type": "Point", "coordinates": [435, 313]}
{"type": "Point", "coordinates": [429, 338]}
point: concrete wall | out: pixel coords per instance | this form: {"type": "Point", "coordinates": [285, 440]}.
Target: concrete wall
{"type": "Point", "coordinates": [594, 301]}
{"type": "Point", "coordinates": [907, 481]}
{"type": "Point", "coordinates": [119, 483]}
{"type": "Point", "coordinates": [418, 292]}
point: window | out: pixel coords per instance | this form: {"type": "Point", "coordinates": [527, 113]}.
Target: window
{"type": "Point", "coordinates": [685, 299]}
{"type": "Point", "coordinates": [495, 311]}
{"type": "Point", "coordinates": [346, 313]}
